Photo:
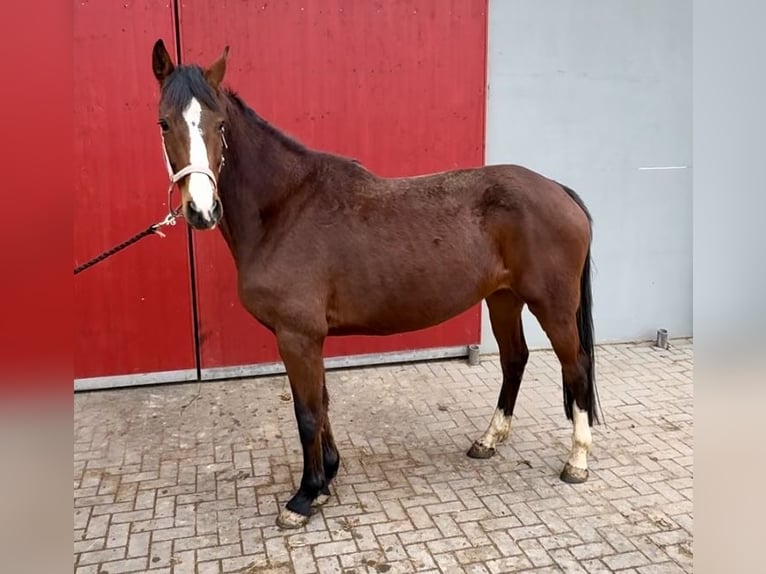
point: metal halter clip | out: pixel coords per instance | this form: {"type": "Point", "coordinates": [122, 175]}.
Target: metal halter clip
{"type": "Point", "coordinates": [170, 219]}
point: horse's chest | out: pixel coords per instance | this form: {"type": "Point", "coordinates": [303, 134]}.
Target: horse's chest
{"type": "Point", "coordinates": [259, 296]}
{"type": "Point", "coordinates": [273, 294]}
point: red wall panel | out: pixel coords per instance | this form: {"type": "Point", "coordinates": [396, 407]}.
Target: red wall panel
{"type": "Point", "coordinates": [134, 311]}
{"type": "Point", "coordinates": [398, 85]}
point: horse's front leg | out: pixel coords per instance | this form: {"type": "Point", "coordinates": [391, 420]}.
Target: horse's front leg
{"type": "Point", "coordinates": [302, 356]}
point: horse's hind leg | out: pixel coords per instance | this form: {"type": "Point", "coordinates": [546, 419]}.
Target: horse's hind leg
{"type": "Point", "coordinates": [505, 316]}
{"type": "Point", "coordinates": [558, 318]}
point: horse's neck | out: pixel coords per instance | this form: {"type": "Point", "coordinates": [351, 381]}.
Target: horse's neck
{"type": "Point", "coordinates": [260, 171]}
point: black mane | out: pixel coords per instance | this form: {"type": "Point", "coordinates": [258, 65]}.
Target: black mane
{"type": "Point", "coordinates": [252, 116]}
{"type": "Point", "coordinates": [185, 83]}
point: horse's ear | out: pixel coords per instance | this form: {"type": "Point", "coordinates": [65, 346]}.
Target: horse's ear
{"type": "Point", "coordinates": [214, 74]}
{"type": "Point", "coordinates": [162, 65]}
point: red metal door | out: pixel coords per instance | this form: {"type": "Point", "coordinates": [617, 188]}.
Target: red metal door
{"type": "Point", "coordinates": [397, 85]}
{"type": "Point", "coordinates": [134, 311]}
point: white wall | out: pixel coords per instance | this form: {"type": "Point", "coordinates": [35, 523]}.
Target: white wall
{"type": "Point", "coordinates": [589, 93]}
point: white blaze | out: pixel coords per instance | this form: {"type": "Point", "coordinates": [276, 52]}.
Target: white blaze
{"type": "Point", "coordinates": [581, 438]}
{"type": "Point", "coordinates": [200, 187]}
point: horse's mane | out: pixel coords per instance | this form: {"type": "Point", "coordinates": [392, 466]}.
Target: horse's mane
{"type": "Point", "coordinates": [185, 83]}
{"type": "Point", "coordinates": [249, 114]}
{"type": "Point", "coordinates": [287, 141]}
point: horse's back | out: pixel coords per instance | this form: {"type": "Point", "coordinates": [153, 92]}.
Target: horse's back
{"type": "Point", "coordinates": [453, 218]}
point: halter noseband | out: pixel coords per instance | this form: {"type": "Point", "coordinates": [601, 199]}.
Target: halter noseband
{"type": "Point", "coordinates": [189, 169]}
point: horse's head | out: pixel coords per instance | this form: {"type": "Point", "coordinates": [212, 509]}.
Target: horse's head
{"type": "Point", "coordinates": [192, 124]}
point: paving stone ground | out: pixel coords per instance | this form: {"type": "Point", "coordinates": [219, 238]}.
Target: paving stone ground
{"type": "Point", "coordinates": [189, 478]}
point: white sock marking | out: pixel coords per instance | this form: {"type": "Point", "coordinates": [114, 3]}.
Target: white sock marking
{"type": "Point", "coordinates": [498, 429]}
{"type": "Point", "coordinates": [200, 187]}
{"type": "Point", "coordinates": [581, 438]}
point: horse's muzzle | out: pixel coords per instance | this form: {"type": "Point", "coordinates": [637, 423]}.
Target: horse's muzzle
{"type": "Point", "coordinates": [201, 221]}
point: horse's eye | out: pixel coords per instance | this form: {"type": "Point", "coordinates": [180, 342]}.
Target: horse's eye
{"type": "Point", "coordinates": [220, 127]}
{"type": "Point", "coordinates": [164, 125]}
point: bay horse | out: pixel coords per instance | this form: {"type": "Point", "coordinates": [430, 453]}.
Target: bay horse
{"type": "Point", "coordinates": [323, 247]}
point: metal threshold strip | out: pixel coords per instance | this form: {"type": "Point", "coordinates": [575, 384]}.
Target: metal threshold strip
{"type": "Point", "coordinates": [136, 380]}
{"type": "Point", "coordinates": [265, 369]}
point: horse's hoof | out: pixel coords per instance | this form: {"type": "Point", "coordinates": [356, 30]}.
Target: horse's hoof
{"type": "Point", "coordinates": [573, 475]}
{"type": "Point", "coordinates": [320, 500]}
{"type": "Point", "coordinates": [478, 450]}
{"type": "Point", "coordinates": [291, 520]}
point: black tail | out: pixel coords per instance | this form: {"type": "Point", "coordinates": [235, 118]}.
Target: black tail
{"type": "Point", "coordinates": [585, 329]}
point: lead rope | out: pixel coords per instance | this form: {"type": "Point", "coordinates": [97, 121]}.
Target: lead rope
{"type": "Point", "coordinates": [170, 218]}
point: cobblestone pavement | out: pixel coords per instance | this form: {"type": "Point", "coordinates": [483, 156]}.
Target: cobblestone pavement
{"type": "Point", "coordinates": [189, 478]}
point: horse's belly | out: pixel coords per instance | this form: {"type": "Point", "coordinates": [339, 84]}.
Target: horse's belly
{"type": "Point", "coordinates": [388, 308]}
{"type": "Point", "coordinates": [392, 321]}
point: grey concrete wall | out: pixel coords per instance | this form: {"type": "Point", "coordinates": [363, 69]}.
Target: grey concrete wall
{"type": "Point", "coordinates": [592, 94]}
